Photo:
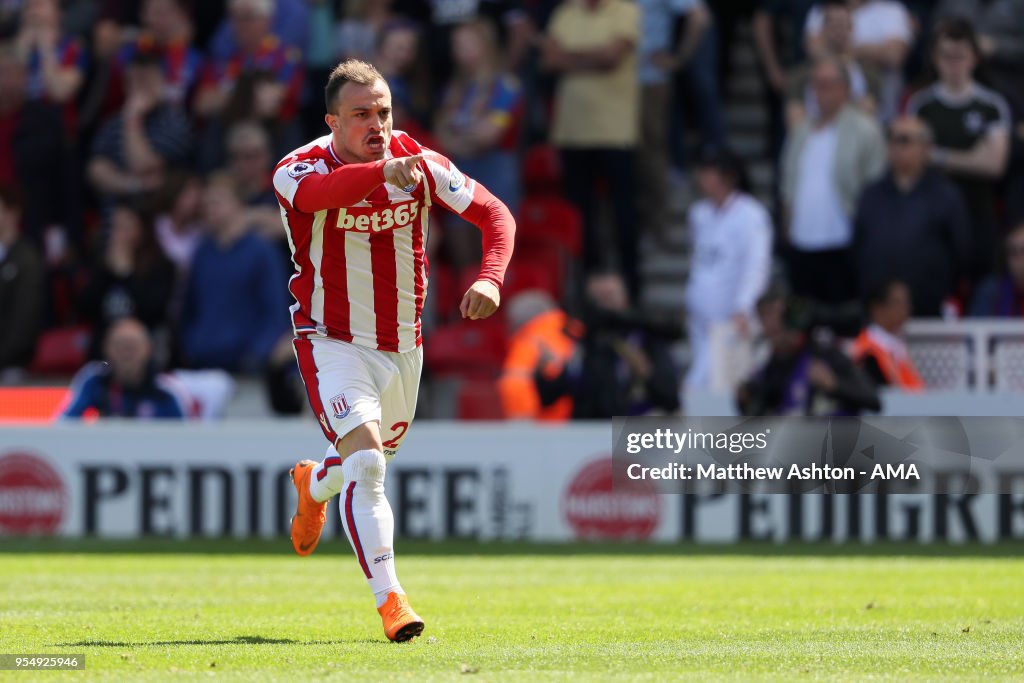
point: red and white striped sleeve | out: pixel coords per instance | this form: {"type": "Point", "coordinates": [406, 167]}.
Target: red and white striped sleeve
{"type": "Point", "coordinates": [308, 185]}
{"type": "Point", "coordinates": [474, 202]}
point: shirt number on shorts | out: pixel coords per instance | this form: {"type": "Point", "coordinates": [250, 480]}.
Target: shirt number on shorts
{"type": "Point", "coordinates": [401, 428]}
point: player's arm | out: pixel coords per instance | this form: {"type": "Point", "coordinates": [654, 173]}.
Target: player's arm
{"type": "Point", "coordinates": [473, 202]}
{"type": "Point", "coordinates": [309, 187]}
{"type": "Point", "coordinates": [495, 222]}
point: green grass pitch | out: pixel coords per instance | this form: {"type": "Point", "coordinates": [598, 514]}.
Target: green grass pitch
{"type": "Point", "coordinates": [250, 611]}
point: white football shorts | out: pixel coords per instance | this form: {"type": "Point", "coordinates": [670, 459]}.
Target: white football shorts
{"type": "Point", "coordinates": [349, 385]}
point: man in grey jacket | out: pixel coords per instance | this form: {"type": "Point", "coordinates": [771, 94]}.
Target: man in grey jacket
{"type": "Point", "coordinates": [826, 162]}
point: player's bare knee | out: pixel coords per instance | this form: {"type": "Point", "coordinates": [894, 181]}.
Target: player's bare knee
{"type": "Point", "coordinates": [365, 437]}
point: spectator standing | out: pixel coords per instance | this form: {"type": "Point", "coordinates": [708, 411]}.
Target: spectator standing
{"type": "Point", "coordinates": [591, 45]}
{"type": "Point", "coordinates": [837, 41]}
{"type": "Point", "coordinates": [1002, 296]}
{"type": "Point", "coordinates": [971, 125]}
{"type": "Point", "coordinates": [660, 58]}
{"type": "Point", "coordinates": [33, 135]}
{"type": "Point", "coordinates": [880, 348]}
{"type": "Point", "coordinates": [778, 26]}
{"type": "Point", "coordinates": [732, 245]}
{"type": "Point", "coordinates": [401, 61]}
{"type": "Point", "coordinates": [251, 167]}
{"type": "Point", "coordinates": [22, 285]}
{"type": "Point", "coordinates": [1000, 25]}
{"type": "Point", "coordinates": [694, 62]}
{"type": "Point", "coordinates": [127, 385]}
{"type": "Point", "coordinates": [913, 225]}
{"type": "Point", "coordinates": [481, 110]}
{"type": "Point", "coordinates": [166, 32]}
{"type": "Point", "coordinates": [235, 309]}
{"type": "Point", "coordinates": [133, 151]}
{"type": "Point", "coordinates": [260, 78]}
{"type": "Point", "coordinates": [827, 161]}
{"type": "Point", "coordinates": [511, 22]}
{"type": "Point", "coordinates": [251, 163]}
{"type": "Point", "coordinates": [883, 33]}
{"type": "Point", "coordinates": [359, 30]}
{"type": "Point", "coordinates": [133, 278]}
{"type": "Point", "coordinates": [287, 19]}
{"type": "Point", "coordinates": [176, 226]}
{"type": "Point", "coordinates": [56, 62]}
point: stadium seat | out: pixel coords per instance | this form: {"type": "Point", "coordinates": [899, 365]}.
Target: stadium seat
{"type": "Point", "coordinates": [61, 351]}
{"type": "Point", "coordinates": [542, 170]}
{"type": "Point", "coordinates": [444, 293]}
{"type": "Point", "coordinates": [535, 269]}
{"type": "Point", "coordinates": [550, 219]}
{"type": "Point", "coordinates": [468, 348]}
{"type": "Point", "coordinates": [479, 400]}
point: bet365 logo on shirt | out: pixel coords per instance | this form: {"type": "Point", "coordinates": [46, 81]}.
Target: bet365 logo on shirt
{"type": "Point", "coordinates": [377, 220]}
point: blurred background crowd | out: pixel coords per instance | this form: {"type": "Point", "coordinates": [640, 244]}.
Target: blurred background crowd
{"type": "Point", "coordinates": [749, 197]}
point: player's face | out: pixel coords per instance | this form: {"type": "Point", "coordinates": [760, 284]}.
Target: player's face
{"type": "Point", "coordinates": [361, 124]}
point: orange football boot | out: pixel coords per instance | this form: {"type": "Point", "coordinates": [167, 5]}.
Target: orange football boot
{"type": "Point", "coordinates": [400, 622]}
{"type": "Point", "coordinates": [310, 516]}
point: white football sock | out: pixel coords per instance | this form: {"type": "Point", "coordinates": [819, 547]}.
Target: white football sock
{"type": "Point", "coordinates": [327, 478]}
{"type": "Point", "coordinates": [368, 521]}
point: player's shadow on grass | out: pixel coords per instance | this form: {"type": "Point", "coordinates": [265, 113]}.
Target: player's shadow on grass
{"type": "Point", "coordinates": [237, 640]}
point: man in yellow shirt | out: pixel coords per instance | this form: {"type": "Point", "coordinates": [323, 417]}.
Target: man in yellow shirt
{"type": "Point", "coordinates": [591, 45]}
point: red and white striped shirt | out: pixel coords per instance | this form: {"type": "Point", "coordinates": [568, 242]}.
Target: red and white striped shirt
{"type": "Point", "coordinates": [359, 243]}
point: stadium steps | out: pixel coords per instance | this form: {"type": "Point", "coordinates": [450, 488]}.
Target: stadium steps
{"type": "Point", "coordinates": [666, 262]}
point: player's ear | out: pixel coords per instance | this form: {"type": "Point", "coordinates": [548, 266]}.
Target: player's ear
{"type": "Point", "coordinates": [332, 121]}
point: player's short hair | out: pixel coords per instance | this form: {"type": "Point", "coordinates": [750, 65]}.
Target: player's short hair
{"type": "Point", "coordinates": [959, 30]}
{"type": "Point", "coordinates": [349, 71]}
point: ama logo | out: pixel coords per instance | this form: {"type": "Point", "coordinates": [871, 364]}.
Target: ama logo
{"type": "Point", "coordinates": [32, 496]}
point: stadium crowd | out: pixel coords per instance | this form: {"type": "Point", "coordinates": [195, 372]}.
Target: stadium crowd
{"type": "Point", "coordinates": [137, 140]}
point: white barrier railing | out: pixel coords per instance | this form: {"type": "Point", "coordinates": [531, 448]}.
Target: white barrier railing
{"type": "Point", "coordinates": [978, 355]}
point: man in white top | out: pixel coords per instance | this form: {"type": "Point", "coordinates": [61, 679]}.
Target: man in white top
{"type": "Point", "coordinates": [826, 162]}
{"type": "Point", "coordinates": [732, 249]}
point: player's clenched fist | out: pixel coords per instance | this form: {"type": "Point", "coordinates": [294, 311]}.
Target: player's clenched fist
{"type": "Point", "coordinates": [404, 172]}
{"type": "Point", "coordinates": [480, 301]}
